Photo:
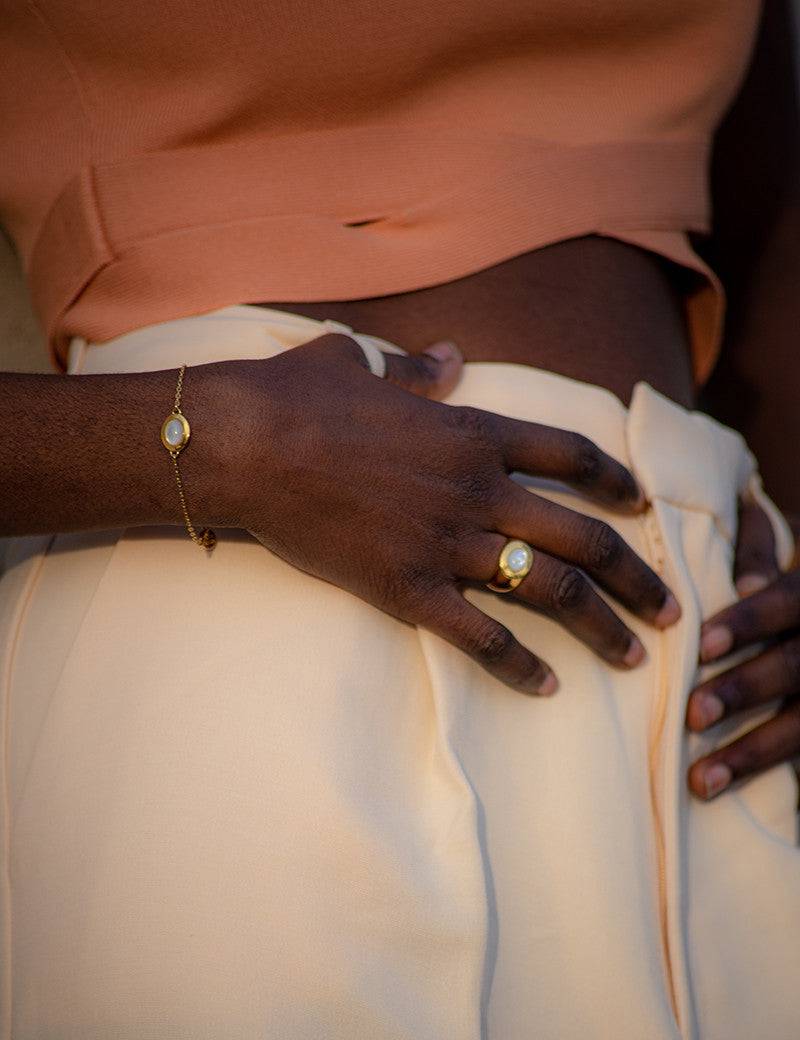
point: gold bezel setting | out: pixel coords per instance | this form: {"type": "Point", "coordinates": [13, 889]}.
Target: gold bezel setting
{"type": "Point", "coordinates": [514, 566]}
{"type": "Point", "coordinates": [186, 432]}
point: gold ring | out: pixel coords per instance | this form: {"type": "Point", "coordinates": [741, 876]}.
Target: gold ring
{"type": "Point", "coordinates": [514, 564]}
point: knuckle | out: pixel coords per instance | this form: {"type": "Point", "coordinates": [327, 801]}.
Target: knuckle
{"type": "Point", "coordinates": [446, 531]}
{"type": "Point", "coordinates": [493, 645]}
{"type": "Point", "coordinates": [409, 588]}
{"type": "Point", "coordinates": [605, 547]}
{"type": "Point", "coordinates": [587, 461]}
{"type": "Point", "coordinates": [481, 492]}
{"type": "Point", "coordinates": [570, 591]}
{"type": "Point", "coordinates": [343, 345]}
{"type": "Point", "coordinates": [473, 422]}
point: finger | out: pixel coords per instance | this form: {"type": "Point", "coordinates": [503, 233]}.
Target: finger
{"type": "Point", "coordinates": [763, 615]}
{"type": "Point", "coordinates": [566, 594]}
{"type": "Point", "coordinates": [595, 547]}
{"type": "Point", "coordinates": [773, 675]}
{"type": "Point", "coordinates": [775, 741]}
{"type": "Point", "coordinates": [433, 373]}
{"type": "Point", "coordinates": [569, 457]}
{"type": "Point", "coordinates": [489, 643]}
{"type": "Point", "coordinates": [756, 563]}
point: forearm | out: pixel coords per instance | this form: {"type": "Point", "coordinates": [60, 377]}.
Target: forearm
{"type": "Point", "coordinates": [84, 452]}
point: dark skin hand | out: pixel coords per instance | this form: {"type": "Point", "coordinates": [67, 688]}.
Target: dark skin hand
{"type": "Point", "coordinates": [598, 310]}
{"type": "Point", "coordinates": [756, 171]}
{"type": "Point", "coordinates": [431, 520]}
{"type": "Point", "coordinates": [412, 561]}
{"type": "Point", "coordinates": [767, 621]}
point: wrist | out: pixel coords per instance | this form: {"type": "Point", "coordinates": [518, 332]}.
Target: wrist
{"type": "Point", "coordinates": [211, 463]}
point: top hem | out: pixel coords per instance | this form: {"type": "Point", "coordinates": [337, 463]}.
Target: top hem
{"type": "Point", "coordinates": [177, 232]}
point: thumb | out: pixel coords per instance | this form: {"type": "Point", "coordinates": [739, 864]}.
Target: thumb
{"type": "Point", "coordinates": [433, 373]}
{"type": "Point", "coordinates": [756, 564]}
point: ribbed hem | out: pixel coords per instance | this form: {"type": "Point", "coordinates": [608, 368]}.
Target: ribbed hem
{"type": "Point", "coordinates": [179, 232]}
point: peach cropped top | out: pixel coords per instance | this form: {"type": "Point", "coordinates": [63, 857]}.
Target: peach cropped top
{"type": "Point", "coordinates": [164, 160]}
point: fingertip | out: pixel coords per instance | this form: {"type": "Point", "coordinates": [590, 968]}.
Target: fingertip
{"type": "Point", "coordinates": [548, 685]}
{"type": "Point", "coordinates": [632, 500]}
{"type": "Point", "coordinates": [714, 779]}
{"type": "Point", "coordinates": [444, 350]}
{"type": "Point", "coordinates": [640, 503]}
{"type": "Point", "coordinates": [538, 685]}
{"type": "Point", "coordinates": [703, 710]}
{"type": "Point", "coordinates": [715, 642]}
{"type": "Point", "coordinates": [451, 362]}
{"type": "Point", "coordinates": [669, 613]}
{"type": "Point", "coordinates": [635, 654]}
{"type": "Point", "coordinates": [748, 584]}
{"type": "Point", "coordinates": [707, 779]}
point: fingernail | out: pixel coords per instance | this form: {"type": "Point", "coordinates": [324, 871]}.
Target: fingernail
{"type": "Point", "coordinates": [709, 708]}
{"type": "Point", "coordinates": [716, 778]}
{"type": "Point", "coordinates": [444, 350]}
{"type": "Point", "coordinates": [548, 686]}
{"type": "Point", "coordinates": [750, 583]}
{"type": "Point", "coordinates": [715, 642]}
{"type": "Point", "coordinates": [669, 613]}
{"type": "Point", "coordinates": [636, 653]}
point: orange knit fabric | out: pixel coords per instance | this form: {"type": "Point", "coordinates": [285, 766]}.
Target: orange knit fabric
{"type": "Point", "coordinates": [164, 160]}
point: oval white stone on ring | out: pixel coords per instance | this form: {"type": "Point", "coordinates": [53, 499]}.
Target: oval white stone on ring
{"type": "Point", "coordinates": [514, 565]}
{"type": "Point", "coordinates": [516, 559]}
{"type": "Point", "coordinates": [175, 432]}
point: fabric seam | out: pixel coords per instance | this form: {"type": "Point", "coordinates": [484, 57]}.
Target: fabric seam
{"type": "Point", "coordinates": [12, 645]}
{"type": "Point", "coordinates": [656, 726]}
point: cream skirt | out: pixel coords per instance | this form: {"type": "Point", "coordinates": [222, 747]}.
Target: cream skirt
{"type": "Point", "coordinates": [242, 804]}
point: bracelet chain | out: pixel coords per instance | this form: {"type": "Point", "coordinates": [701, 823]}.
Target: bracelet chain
{"type": "Point", "coordinates": [206, 539]}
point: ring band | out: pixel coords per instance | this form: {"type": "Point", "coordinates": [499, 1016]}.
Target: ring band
{"type": "Point", "coordinates": [514, 564]}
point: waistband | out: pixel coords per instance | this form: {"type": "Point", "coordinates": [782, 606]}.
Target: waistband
{"type": "Point", "coordinates": [680, 456]}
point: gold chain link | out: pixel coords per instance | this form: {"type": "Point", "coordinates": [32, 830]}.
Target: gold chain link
{"type": "Point", "coordinates": [206, 539]}
{"type": "Point", "coordinates": [178, 388]}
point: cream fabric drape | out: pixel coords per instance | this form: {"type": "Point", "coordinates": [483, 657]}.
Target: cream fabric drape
{"type": "Point", "coordinates": [241, 803]}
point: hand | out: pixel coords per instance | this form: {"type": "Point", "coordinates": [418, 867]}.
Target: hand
{"type": "Point", "coordinates": [769, 613]}
{"type": "Point", "coordinates": [399, 498]}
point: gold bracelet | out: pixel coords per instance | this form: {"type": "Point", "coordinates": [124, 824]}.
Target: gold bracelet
{"type": "Point", "coordinates": [175, 433]}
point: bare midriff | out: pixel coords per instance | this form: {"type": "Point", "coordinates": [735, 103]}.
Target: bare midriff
{"type": "Point", "coordinates": [594, 309]}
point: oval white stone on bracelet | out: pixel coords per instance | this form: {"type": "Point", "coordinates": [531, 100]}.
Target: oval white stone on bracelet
{"type": "Point", "coordinates": [175, 432]}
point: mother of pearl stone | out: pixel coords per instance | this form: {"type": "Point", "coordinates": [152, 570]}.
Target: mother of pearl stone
{"type": "Point", "coordinates": [173, 432]}
{"type": "Point", "coordinates": [517, 560]}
